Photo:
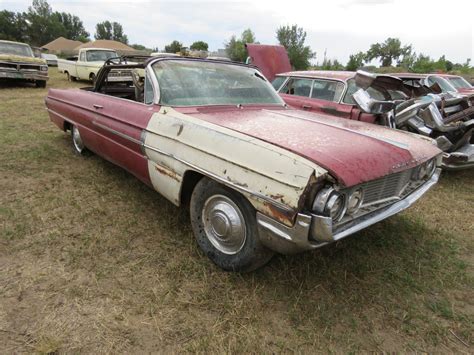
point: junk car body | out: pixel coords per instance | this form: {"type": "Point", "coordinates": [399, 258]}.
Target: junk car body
{"type": "Point", "coordinates": [459, 83]}
{"type": "Point", "coordinates": [259, 176]}
{"type": "Point", "coordinates": [446, 117]}
{"type": "Point", "coordinates": [18, 63]}
{"type": "Point", "coordinates": [87, 64]}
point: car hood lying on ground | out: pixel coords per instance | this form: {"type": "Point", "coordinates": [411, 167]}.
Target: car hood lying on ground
{"type": "Point", "coordinates": [353, 152]}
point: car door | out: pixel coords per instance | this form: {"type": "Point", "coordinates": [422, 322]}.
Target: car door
{"type": "Point", "coordinates": [296, 91]}
{"type": "Point", "coordinates": [120, 124]}
{"type": "Point", "coordinates": [325, 98]}
{"type": "Point", "coordinates": [81, 66]}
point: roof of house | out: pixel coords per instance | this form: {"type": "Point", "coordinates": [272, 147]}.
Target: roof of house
{"type": "Point", "coordinates": [105, 43]}
{"type": "Point", "coordinates": [62, 44]}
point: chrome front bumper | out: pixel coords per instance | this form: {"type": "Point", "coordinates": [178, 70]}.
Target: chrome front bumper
{"type": "Point", "coordinates": [20, 75]}
{"type": "Point", "coordinates": [463, 158]}
{"type": "Point", "coordinates": [311, 231]}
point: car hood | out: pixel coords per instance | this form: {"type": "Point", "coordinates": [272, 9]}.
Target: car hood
{"type": "Point", "coordinates": [353, 152]}
{"type": "Point", "coordinates": [20, 59]}
{"type": "Point", "coordinates": [271, 60]}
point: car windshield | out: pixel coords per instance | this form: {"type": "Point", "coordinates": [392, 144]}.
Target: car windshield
{"type": "Point", "coordinates": [459, 82]}
{"type": "Point", "coordinates": [352, 87]}
{"type": "Point", "coordinates": [16, 49]}
{"type": "Point", "coordinates": [200, 83]}
{"type": "Point", "coordinates": [443, 83]}
{"type": "Point", "coordinates": [100, 56]}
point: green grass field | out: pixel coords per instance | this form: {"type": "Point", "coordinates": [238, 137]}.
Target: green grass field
{"type": "Point", "coordinates": [92, 260]}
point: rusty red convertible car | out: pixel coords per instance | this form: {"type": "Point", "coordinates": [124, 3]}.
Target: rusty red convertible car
{"type": "Point", "coordinates": [259, 177]}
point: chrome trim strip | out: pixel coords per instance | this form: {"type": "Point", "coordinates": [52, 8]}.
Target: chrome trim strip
{"type": "Point", "coordinates": [194, 167]}
{"type": "Point", "coordinates": [120, 134]}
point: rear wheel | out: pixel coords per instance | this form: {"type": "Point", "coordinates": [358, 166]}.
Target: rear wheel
{"type": "Point", "coordinates": [77, 142]}
{"type": "Point", "coordinates": [92, 78]}
{"type": "Point", "coordinates": [225, 227]}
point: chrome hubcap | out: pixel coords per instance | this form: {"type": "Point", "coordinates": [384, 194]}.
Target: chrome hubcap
{"type": "Point", "coordinates": [224, 224]}
{"type": "Point", "coordinates": [77, 140]}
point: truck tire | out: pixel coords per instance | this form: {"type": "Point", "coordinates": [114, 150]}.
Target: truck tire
{"type": "Point", "coordinates": [40, 83]}
{"type": "Point", "coordinates": [70, 77]}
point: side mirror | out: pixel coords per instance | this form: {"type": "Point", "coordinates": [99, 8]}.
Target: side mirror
{"type": "Point", "coordinates": [369, 105]}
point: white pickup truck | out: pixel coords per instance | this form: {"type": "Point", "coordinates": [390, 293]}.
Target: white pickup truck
{"type": "Point", "coordinates": [86, 65]}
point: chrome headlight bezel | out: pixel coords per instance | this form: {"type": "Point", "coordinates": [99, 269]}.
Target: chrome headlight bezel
{"type": "Point", "coordinates": [44, 68]}
{"type": "Point", "coordinates": [355, 194]}
{"type": "Point", "coordinates": [326, 200]}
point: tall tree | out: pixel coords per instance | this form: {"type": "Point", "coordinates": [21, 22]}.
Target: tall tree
{"type": "Point", "coordinates": [199, 46]}
{"type": "Point", "coordinates": [293, 39]}
{"type": "Point", "coordinates": [13, 26]}
{"type": "Point", "coordinates": [43, 28]}
{"type": "Point", "coordinates": [235, 48]}
{"type": "Point", "coordinates": [388, 51]}
{"type": "Point", "coordinates": [174, 47]}
{"type": "Point", "coordinates": [73, 28]}
{"type": "Point", "coordinates": [356, 61]}
{"type": "Point", "coordinates": [111, 31]}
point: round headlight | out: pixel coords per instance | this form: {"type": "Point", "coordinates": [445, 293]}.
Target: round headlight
{"type": "Point", "coordinates": [355, 201]}
{"type": "Point", "coordinates": [430, 167]}
{"type": "Point", "coordinates": [422, 172]}
{"type": "Point", "coordinates": [330, 203]}
{"type": "Point", "coordinates": [336, 206]}
{"type": "Point", "coordinates": [44, 68]}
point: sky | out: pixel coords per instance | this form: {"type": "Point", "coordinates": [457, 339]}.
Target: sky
{"type": "Point", "coordinates": [338, 28]}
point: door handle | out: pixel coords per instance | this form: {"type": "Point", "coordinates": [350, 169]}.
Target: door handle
{"type": "Point", "coordinates": [98, 107]}
{"type": "Point", "coordinates": [307, 107]}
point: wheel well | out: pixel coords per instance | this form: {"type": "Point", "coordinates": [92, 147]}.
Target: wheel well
{"type": "Point", "coordinates": [190, 179]}
{"type": "Point", "coordinates": [67, 126]}
{"type": "Point", "coordinates": [91, 75]}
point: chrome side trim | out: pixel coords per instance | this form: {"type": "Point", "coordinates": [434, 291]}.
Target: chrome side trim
{"type": "Point", "coordinates": [113, 131]}
{"type": "Point", "coordinates": [312, 231]}
{"type": "Point", "coordinates": [192, 166]}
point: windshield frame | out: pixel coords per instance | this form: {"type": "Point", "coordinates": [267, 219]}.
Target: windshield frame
{"type": "Point", "coordinates": [17, 44]}
{"type": "Point", "coordinates": [157, 89]}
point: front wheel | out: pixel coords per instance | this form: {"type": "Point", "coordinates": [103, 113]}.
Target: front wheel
{"type": "Point", "coordinates": [225, 227]}
{"type": "Point", "coordinates": [40, 83]}
{"type": "Point", "coordinates": [70, 77]}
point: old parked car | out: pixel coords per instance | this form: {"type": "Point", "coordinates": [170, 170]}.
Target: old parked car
{"type": "Point", "coordinates": [459, 83]}
{"type": "Point", "coordinates": [18, 63]}
{"type": "Point", "coordinates": [446, 117]}
{"type": "Point", "coordinates": [259, 177]}
{"type": "Point", "coordinates": [51, 59]}
{"type": "Point", "coordinates": [87, 64]}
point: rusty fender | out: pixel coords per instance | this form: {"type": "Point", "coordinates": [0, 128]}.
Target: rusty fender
{"type": "Point", "coordinates": [275, 181]}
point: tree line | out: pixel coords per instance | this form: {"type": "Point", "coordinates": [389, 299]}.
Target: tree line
{"type": "Point", "coordinates": [40, 25]}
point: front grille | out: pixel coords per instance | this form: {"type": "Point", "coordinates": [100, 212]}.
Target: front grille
{"type": "Point", "coordinates": [120, 73]}
{"type": "Point", "coordinates": [29, 67]}
{"type": "Point", "coordinates": [388, 187]}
